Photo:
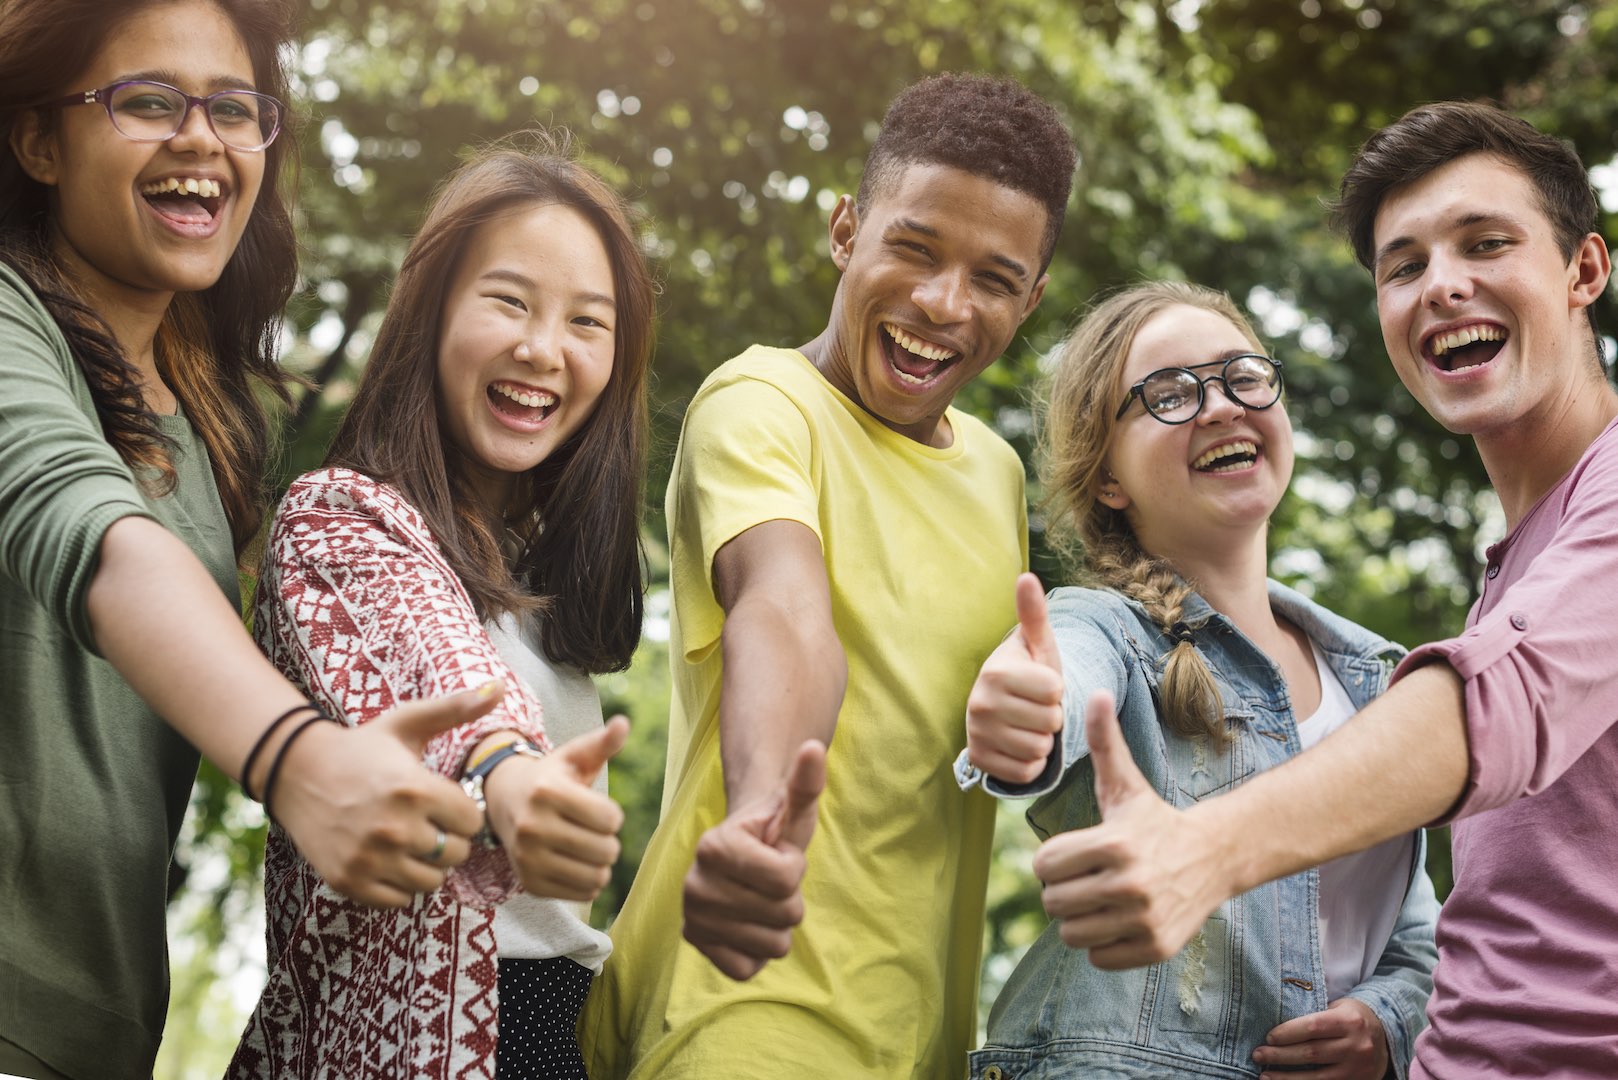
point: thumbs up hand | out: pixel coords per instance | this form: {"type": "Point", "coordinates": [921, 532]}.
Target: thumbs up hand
{"type": "Point", "coordinates": [743, 894]}
{"type": "Point", "coordinates": [1135, 888]}
{"type": "Point", "coordinates": [1014, 712]}
{"type": "Point", "coordinates": [560, 833]}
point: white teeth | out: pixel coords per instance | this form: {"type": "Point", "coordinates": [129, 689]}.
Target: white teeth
{"type": "Point", "coordinates": [191, 185]}
{"type": "Point", "coordinates": [925, 349]}
{"type": "Point", "coordinates": [523, 397]}
{"type": "Point", "coordinates": [1241, 446]}
{"type": "Point", "coordinates": [1466, 336]}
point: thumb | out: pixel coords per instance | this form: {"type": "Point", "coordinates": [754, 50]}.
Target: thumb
{"type": "Point", "coordinates": [1118, 779]}
{"type": "Point", "coordinates": [588, 753]}
{"type": "Point", "coordinates": [415, 722]}
{"type": "Point", "coordinates": [1035, 622]}
{"type": "Point", "coordinates": [794, 822]}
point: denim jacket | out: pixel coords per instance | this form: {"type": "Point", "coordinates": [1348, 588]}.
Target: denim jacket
{"type": "Point", "coordinates": [1257, 960]}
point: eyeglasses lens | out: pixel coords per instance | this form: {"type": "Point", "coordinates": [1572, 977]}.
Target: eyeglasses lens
{"type": "Point", "coordinates": [153, 112]}
{"type": "Point", "coordinates": [1175, 394]}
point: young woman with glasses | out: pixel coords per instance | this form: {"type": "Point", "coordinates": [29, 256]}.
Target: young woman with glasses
{"type": "Point", "coordinates": [146, 252]}
{"type": "Point", "coordinates": [1164, 455]}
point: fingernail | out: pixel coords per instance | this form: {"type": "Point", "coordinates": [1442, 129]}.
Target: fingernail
{"type": "Point", "coordinates": [492, 688]}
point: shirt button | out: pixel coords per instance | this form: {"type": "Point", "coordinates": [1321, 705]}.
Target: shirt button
{"type": "Point", "coordinates": [993, 1073]}
{"type": "Point", "coordinates": [1520, 622]}
{"type": "Point", "coordinates": [1494, 571]}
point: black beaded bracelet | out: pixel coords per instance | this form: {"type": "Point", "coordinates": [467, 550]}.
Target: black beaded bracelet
{"type": "Point", "coordinates": [264, 739]}
{"type": "Point", "coordinates": [280, 756]}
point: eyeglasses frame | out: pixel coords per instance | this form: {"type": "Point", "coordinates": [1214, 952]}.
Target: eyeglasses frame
{"type": "Point", "coordinates": [103, 97]}
{"type": "Point", "coordinates": [1138, 390]}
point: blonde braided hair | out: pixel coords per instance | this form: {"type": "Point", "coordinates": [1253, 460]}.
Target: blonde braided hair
{"type": "Point", "coordinates": [1081, 399]}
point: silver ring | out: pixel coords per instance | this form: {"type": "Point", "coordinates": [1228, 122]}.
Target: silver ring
{"type": "Point", "coordinates": [438, 848]}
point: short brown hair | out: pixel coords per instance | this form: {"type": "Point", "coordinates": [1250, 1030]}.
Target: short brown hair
{"type": "Point", "coordinates": [1430, 136]}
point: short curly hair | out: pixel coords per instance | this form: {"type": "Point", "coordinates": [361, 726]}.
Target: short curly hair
{"type": "Point", "coordinates": [990, 127]}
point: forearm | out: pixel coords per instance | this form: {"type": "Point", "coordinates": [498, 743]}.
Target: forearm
{"type": "Point", "coordinates": [784, 678]}
{"type": "Point", "coordinates": [1399, 764]}
{"type": "Point", "coordinates": [161, 621]}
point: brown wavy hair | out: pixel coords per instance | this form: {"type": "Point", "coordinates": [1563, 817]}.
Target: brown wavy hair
{"type": "Point", "coordinates": [1078, 423]}
{"type": "Point", "coordinates": [214, 348]}
{"type": "Point", "coordinates": [580, 567]}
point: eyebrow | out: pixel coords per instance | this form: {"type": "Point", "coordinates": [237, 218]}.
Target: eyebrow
{"type": "Point", "coordinates": [164, 75]}
{"type": "Point", "coordinates": [1465, 221]}
{"type": "Point", "coordinates": [912, 225]}
{"type": "Point", "coordinates": [500, 273]}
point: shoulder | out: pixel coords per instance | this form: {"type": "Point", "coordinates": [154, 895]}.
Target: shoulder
{"type": "Point", "coordinates": [334, 497]}
{"type": "Point", "coordinates": [982, 441]}
{"type": "Point", "coordinates": [23, 313]}
{"type": "Point", "coordinates": [1331, 631]}
{"type": "Point", "coordinates": [1597, 470]}
{"type": "Point", "coordinates": [1104, 609]}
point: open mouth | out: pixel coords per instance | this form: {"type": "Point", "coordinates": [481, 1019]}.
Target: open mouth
{"type": "Point", "coordinates": [186, 200]}
{"type": "Point", "coordinates": [1227, 457]}
{"type": "Point", "coordinates": [521, 403]}
{"type": "Point", "coordinates": [917, 361]}
{"type": "Point", "coordinates": [1467, 347]}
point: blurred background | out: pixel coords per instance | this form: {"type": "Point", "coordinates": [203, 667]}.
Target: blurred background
{"type": "Point", "coordinates": [1209, 132]}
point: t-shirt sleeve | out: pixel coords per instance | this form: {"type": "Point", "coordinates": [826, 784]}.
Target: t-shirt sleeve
{"type": "Point", "coordinates": [746, 457]}
{"type": "Point", "coordinates": [1538, 668]}
{"type": "Point", "coordinates": [61, 484]}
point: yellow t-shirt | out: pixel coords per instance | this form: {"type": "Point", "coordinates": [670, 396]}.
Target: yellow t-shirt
{"type": "Point", "coordinates": [922, 549]}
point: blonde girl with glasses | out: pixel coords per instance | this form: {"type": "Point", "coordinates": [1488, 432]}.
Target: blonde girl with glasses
{"type": "Point", "coordinates": [1165, 450]}
{"type": "Point", "coordinates": [146, 252]}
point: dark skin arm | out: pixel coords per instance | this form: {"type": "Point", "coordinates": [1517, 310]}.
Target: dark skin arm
{"type": "Point", "coordinates": [784, 677]}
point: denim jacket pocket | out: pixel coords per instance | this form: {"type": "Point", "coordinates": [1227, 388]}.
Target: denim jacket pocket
{"type": "Point", "coordinates": [1200, 766]}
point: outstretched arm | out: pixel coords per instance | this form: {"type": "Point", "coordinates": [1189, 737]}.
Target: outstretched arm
{"type": "Point", "coordinates": [783, 682]}
{"type": "Point", "coordinates": [358, 803]}
{"type": "Point", "coordinates": [1134, 889]}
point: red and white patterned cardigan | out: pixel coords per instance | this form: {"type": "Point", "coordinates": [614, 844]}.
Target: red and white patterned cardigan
{"type": "Point", "coordinates": [358, 607]}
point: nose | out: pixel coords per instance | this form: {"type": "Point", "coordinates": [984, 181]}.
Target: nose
{"type": "Point", "coordinates": [196, 134]}
{"type": "Point", "coordinates": [541, 347]}
{"type": "Point", "coordinates": [1219, 405]}
{"type": "Point", "coordinates": [942, 296]}
{"type": "Point", "coordinates": [1446, 281]}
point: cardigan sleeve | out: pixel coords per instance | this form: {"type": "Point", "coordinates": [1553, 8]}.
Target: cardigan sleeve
{"type": "Point", "coordinates": [358, 606]}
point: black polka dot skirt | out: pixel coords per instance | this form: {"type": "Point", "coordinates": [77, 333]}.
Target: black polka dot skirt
{"type": "Point", "coordinates": [540, 1001]}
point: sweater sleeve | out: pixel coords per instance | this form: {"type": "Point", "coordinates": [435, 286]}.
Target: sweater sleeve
{"type": "Point", "coordinates": [357, 605]}
{"type": "Point", "coordinates": [61, 484]}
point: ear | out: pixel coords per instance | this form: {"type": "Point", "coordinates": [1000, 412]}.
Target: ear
{"type": "Point", "coordinates": [1034, 297]}
{"type": "Point", "coordinates": [1588, 271]}
{"type": "Point", "coordinates": [1109, 492]}
{"type": "Point", "coordinates": [841, 230]}
{"type": "Point", "coordinates": [35, 148]}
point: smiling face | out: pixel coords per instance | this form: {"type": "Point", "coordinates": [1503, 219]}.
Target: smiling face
{"type": "Point", "coordinates": [1482, 315]}
{"type": "Point", "coordinates": [938, 273]}
{"type": "Point", "coordinates": [526, 343]}
{"type": "Point", "coordinates": [120, 224]}
{"type": "Point", "coordinates": [1218, 477]}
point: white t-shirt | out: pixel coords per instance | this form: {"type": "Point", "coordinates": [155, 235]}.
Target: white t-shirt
{"type": "Point", "coordinates": [530, 927]}
{"type": "Point", "coordinates": [1360, 894]}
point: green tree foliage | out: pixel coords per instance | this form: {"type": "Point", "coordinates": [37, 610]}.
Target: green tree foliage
{"type": "Point", "coordinates": [1209, 133]}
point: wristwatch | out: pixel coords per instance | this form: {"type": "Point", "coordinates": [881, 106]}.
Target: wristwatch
{"type": "Point", "coordinates": [472, 783]}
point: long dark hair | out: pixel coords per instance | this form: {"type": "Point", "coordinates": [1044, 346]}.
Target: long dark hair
{"type": "Point", "coordinates": [580, 566]}
{"type": "Point", "coordinates": [213, 346]}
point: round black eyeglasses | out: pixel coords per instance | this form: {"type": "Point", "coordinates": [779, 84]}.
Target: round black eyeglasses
{"type": "Point", "coordinates": [1175, 395]}
{"type": "Point", "coordinates": [147, 111]}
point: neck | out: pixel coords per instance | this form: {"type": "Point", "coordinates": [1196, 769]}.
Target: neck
{"type": "Point", "coordinates": [1526, 459]}
{"type": "Point", "coordinates": [1232, 578]}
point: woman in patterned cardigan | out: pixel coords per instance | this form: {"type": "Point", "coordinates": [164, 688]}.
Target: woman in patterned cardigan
{"type": "Point", "coordinates": [478, 517]}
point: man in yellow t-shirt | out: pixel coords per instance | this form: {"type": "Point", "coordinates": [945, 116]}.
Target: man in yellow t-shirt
{"type": "Point", "coordinates": [843, 546]}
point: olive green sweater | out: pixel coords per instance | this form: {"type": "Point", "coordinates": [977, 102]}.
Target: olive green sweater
{"type": "Point", "coordinates": [93, 785]}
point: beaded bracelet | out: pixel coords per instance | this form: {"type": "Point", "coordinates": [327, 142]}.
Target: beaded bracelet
{"type": "Point", "coordinates": [263, 741]}
{"type": "Point", "coordinates": [280, 756]}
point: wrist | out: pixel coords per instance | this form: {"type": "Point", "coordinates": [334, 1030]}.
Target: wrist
{"type": "Point", "coordinates": [482, 767]}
